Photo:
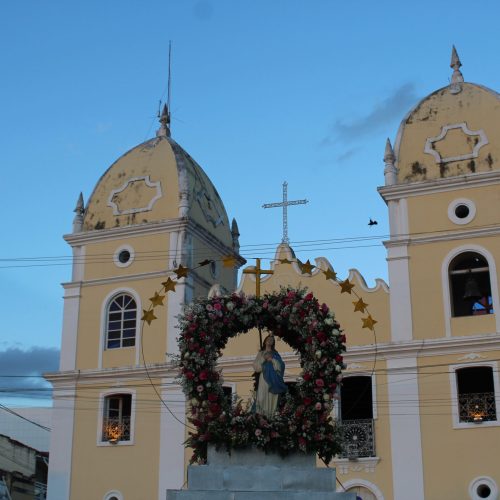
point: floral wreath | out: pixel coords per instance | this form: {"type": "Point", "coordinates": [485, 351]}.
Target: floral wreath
{"type": "Point", "coordinates": [303, 420]}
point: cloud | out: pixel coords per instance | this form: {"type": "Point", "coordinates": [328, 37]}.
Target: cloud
{"type": "Point", "coordinates": [347, 154]}
{"type": "Point", "coordinates": [18, 363]}
{"type": "Point", "coordinates": [391, 108]}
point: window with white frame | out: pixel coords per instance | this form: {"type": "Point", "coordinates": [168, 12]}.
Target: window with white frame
{"type": "Point", "coordinates": [470, 286]}
{"type": "Point", "coordinates": [475, 394]}
{"type": "Point", "coordinates": [121, 321]}
{"type": "Point", "coordinates": [116, 419]}
{"type": "Point", "coordinates": [356, 416]}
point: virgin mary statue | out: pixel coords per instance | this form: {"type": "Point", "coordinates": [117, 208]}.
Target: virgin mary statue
{"type": "Point", "coordinates": [271, 367]}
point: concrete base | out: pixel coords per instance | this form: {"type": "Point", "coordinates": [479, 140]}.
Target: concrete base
{"type": "Point", "coordinates": [250, 474]}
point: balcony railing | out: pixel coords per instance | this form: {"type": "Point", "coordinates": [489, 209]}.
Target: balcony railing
{"type": "Point", "coordinates": [477, 407]}
{"type": "Point", "coordinates": [116, 429]}
{"type": "Point", "coordinates": [359, 438]}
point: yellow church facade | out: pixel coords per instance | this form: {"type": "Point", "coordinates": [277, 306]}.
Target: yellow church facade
{"type": "Point", "coordinates": [420, 398]}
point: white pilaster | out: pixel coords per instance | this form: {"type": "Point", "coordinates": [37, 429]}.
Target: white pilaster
{"type": "Point", "coordinates": [406, 445]}
{"type": "Point", "coordinates": [71, 313]}
{"type": "Point", "coordinates": [172, 437]}
{"type": "Point", "coordinates": [61, 442]}
{"type": "Point", "coordinates": [399, 272]}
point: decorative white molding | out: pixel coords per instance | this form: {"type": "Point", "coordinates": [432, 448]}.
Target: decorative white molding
{"type": "Point", "coordinates": [409, 189]}
{"type": "Point", "coordinates": [480, 481]}
{"type": "Point", "coordinates": [104, 308]}
{"type": "Point", "coordinates": [366, 464]}
{"type": "Point", "coordinates": [454, 395]}
{"type": "Point", "coordinates": [127, 232]}
{"type": "Point", "coordinates": [406, 444]}
{"type": "Point", "coordinates": [429, 149]}
{"type": "Point", "coordinates": [453, 206]}
{"type": "Point", "coordinates": [471, 357]}
{"type": "Point", "coordinates": [355, 366]}
{"type": "Point", "coordinates": [155, 185]}
{"type": "Point", "coordinates": [102, 397]}
{"type": "Point", "coordinates": [445, 283]}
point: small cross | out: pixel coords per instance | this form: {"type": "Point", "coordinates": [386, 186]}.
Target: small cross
{"type": "Point", "coordinates": [285, 204]}
{"type": "Point", "coordinates": [257, 271]}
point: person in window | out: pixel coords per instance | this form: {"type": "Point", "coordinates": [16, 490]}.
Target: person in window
{"type": "Point", "coordinates": [270, 366]}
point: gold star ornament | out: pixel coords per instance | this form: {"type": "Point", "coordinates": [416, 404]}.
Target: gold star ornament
{"type": "Point", "coordinates": [307, 267]}
{"type": "Point", "coordinates": [169, 285]}
{"type": "Point", "coordinates": [330, 274]}
{"type": "Point", "coordinates": [148, 316]}
{"type": "Point", "coordinates": [346, 286]}
{"type": "Point", "coordinates": [284, 261]}
{"type": "Point", "coordinates": [157, 300]}
{"type": "Point", "coordinates": [369, 322]}
{"type": "Point", "coordinates": [181, 271]}
{"type": "Point", "coordinates": [359, 305]}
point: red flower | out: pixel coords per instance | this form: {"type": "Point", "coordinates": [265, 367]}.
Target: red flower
{"type": "Point", "coordinates": [202, 350]}
{"type": "Point", "coordinates": [189, 375]}
{"type": "Point", "coordinates": [321, 336]}
{"type": "Point", "coordinates": [307, 376]}
{"type": "Point", "coordinates": [309, 340]}
{"type": "Point", "coordinates": [214, 408]}
{"type": "Point", "coordinates": [319, 382]}
{"type": "Point", "coordinates": [302, 441]}
{"type": "Point", "coordinates": [307, 401]}
{"type": "Point", "coordinates": [309, 296]}
{"type": "Point", "coordinates": [338, 358]}
{"type": "Point", "coordinates": [212, 397]}
{"type": "Point", "coordinates": [203, 375]}
{"type": "Point", "coordinates": [342, 338]}
{"type": "Point", "coordinates": [217, 306]}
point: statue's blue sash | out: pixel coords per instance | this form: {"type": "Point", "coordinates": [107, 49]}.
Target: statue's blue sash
{"type": "Point", "coordinates": [274, 378]}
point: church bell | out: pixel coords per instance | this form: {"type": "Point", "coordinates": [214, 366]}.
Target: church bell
{"type": "Point", "coordinates": [471, 291]}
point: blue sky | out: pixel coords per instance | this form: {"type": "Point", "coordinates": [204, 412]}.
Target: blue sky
{"type": "Point", "coordinates": [262, 92]}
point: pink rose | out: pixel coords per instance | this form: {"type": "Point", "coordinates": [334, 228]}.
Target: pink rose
{"type": "Point", "coordinates": [320, 382]}
{"type": "Point", "coordinates": [318, 406]}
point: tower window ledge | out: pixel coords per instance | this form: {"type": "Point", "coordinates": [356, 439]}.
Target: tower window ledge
{"type": "Point", "coordinates": [366, 464]}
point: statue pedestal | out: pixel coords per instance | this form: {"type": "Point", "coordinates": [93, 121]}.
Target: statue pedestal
{"type": "Point", "coordinates": [250, 474]}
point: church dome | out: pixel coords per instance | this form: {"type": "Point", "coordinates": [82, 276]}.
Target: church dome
{"type": "Point", "coordinates": [154, 182]}
{"type": "Point", "coordinates": [451, 132]}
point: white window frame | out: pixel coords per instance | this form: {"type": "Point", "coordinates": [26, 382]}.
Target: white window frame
{"type": "Point", "coordinates": [454, 395]}
{"type": "Point", "coordinates": [445, 282]}
{"type": "Point", "coordinates": [104, 323]}
{"type": "Point", "coordinates": [100, 419]}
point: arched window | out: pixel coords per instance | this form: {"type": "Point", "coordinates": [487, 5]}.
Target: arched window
{"type": "Point", "coordinates": [121, 321]}
{"type": "Point", "coordinates": [470, 287]}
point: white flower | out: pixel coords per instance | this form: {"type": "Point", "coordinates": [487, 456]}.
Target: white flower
{"type": "Point", "coordinates": [230, 306]}
{"type": "Point", "coordinates": [338, 368]}
{"type": "Point", "coordinates": [329, 321]}
{"type": "Point", "coordinates": [319, 354]}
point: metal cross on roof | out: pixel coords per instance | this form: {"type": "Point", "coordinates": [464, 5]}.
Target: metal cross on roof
{"type": "Point", "coordinates": [285, 204]}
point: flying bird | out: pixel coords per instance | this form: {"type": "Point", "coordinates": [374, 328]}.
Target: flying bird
{"type": "Point", "coordinates": [372, 222]}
